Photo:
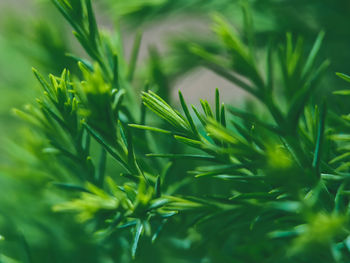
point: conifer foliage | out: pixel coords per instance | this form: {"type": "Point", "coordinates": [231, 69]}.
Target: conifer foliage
{"type": "Point", "coordinates": [149, 182]}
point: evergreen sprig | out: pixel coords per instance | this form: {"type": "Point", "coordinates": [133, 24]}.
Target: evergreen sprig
{"type": "Point", "coordinates": [247, 188]}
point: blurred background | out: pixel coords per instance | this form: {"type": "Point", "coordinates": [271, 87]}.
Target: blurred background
{"type": "Point", "coordinates": [33, 34]}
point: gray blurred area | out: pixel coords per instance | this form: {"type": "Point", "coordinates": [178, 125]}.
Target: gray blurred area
{"type": "Point", "coordinates": [201, 83]}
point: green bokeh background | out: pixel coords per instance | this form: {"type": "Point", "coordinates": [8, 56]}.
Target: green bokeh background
{"type": "Point", "coordinates": [34, 34]}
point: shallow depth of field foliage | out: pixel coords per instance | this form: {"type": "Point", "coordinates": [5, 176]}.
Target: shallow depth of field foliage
{"type": "Point", "coordinates": [99, 163]}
